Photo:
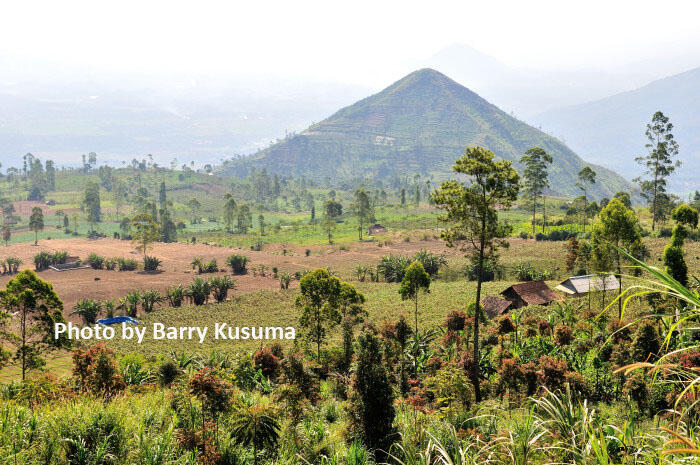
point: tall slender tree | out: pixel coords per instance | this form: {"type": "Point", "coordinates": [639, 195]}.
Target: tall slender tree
{"type": "Point", "coordinates": [362, 208]}
{"type": "Point", "coordinates": [472, 217]}
{"type": "Point", "coordinates": [586, 178]}
{"type": "Point", "coordinates": [36, 222]}
{"type": "Point", "coordinates": [658, 163]}
{"type": "Point", "coordinates": [535, 177]}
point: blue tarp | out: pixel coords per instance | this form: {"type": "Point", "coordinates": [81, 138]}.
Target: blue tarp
{"type": "Point", "coordinates": [118, 319]}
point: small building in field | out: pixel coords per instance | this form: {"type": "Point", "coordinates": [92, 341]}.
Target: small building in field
{"type": "Point", "coordinates": [579, 286]}
{"type": "Point", "coordinates": [495, 306]}
{"type": "Point", "coordinates": [376, 229]}
{"type": "Point", "coordinates": [530, 293]}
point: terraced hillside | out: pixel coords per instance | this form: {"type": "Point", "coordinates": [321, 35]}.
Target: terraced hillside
{"type": "Point", "coordinates": [419, 124]}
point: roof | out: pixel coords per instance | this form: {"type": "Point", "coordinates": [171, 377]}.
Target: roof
{"type": "Point", "coordinates": [377, 227]}
{"type": "Point", "coordinates": [533, 292]}
{"type": "Point", "coordinates": [582, 284]}
{"type": "Point", "coordinates": [494, 306]}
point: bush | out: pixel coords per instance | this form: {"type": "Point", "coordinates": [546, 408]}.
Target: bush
{"type": "Point", "coordinates": [527, 272]}
{"type": "Point", "coordinates": [96, 262]}
{"type": "Point", "coordinates": [11, 265]}
{"type": "Point", "coordinates": [151, 263]}
{"type": "Point", "coordinates": [491, 271]}
{"type": "Point", "coordinates": [220, 285]}
{"type": "Point", "coordinates": [556, 235]}
{"type": "Point", "coordinates": [168, 372]}
{"type": "Point", "coordinates": [266, 361]}
{"type": "Point", "coordinates": [111, 264]}
{"type": "Point", "coordinates": [43, 260]}
{"type": "Point", "coordinates": [88, 309]}
{"type": "Point", "coordinates": [237, 263]}
{"type": "Point", "coordinates": [431, 262]}
{"type": "Point", "coordinates": [198, 291]}
{"type": "Point", "coordinates": [127, 264]}
{"type": "Point", "coordinates": [149, 299]}
{"type": "Point", "coordinates": [176, 295]}
{"type": "Point", "coordinates": [393, 268]}
{"type": "Point", "coordinates": [96, 370]}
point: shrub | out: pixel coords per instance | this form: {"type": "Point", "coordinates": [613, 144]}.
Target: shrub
{"type": "Point", "coordinates": [42, 261]}
{"type": "Point", "coordinates": [563, 335]}
{"type": "Point", "coordinates": [266, 361]}
{"type": "Point", "coordinates": [88, 309]}
{"type": "Point", "coordinates": [220, 285]}
{"type": "Point", "coordinates": [431, 262]}
{"type": "Point", "coordinates": [127, 264]}
{"type": "Point", "coordinates": [556, 235]}
{"type": "Point", "coordinates": [11, 265]}
{"type": "Point", "coordinates": [646, 344]}
{"type": "Point", "coordinates": [168, 372]}
{"type": "Point", "coordinates": [96, 370]}
{"type": "Point", "coordinates": [97, 438]}
{"type": "Point", "coordinates": [285, 279]}
{"type": "Point", "coordinates": [176, 295]}
{"type": "Point", "coordinates": [527, 272]}
{"type": "Point", "coordinates": [198, 291]}
{"type": "Point", "coordinates": [552, 372]}
{"type": "Point", "coordinates": [393, 268]}
{"type": "Point", "coordinates": [491, 271]}
{"type": "Point", "coordinates": [455, 320]}
{"type": "Point", "coordinates": [151, 263]}
{"type": "Point", "coordinates": [130, 303]}
{"type": "Point", "coordinates": [96, 262]}
{"type": "Point", "coordinates": [111, 264]}
{"type": "Point", "coordinates": [149, 299]}
{"type": "Point", "coordinates": [237, 263]}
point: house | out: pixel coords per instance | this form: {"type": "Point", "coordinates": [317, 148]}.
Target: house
{"type": "Point", "coordinates": [376, 229]}
{"type": "Point", "coordinates": [495, 306]}
{"type": "Point", "coordinates": [578, 286]}
{"type": "Point", "coordinates": [530, 293]}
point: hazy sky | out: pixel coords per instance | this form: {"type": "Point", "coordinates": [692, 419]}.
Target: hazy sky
{"type": "Point", "coordinates": [357, 41]}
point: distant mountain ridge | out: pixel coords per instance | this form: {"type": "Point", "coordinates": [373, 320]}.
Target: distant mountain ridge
{"type": "Point", "coordinates": [420, 124]}
{"type": "Point", "coordinates": [610, 131]}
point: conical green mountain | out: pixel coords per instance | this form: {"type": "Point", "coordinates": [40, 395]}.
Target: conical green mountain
{"type": "Point", "coordinates": [420, 124]}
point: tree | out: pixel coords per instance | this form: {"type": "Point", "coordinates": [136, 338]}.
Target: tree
{"type": "Point", "coordinates": [145, 231]}
{"type": "Point", "coordinates": [162, 195]}
{"type": "Point", "coordinates": [674, 260]}
{"type": "Point", "coordinates": [255, 426]}
{"type": "Point", "coordinates": [362, 209]}
{"type": "Point", "coordinates": [414, 280]}
{"type": "Point", "coordinates": [50, 175]}
{"type": "Point", "coordinates": [350, 304]}
{"type": "Point", "coordinates": [229, 210]}
{"type": "Point", "coordinates": [658, 163]}
{"type": "Point", "coordinates": [38, 309]}
{"type": "Point", "coordinates": [473, 220]}
{"type": "Point", "coordinates": [36, 222]}
{"type": "Point", "coordinates": [331, 211]}
{"type": "Point", "coordinates": [403, 196]}
{"type": "Point", "coordinates": [194, 206]}
{"type": "Point", "coordinates": [535, 175]}
{"type": "Point", "coordinates": [244, 219]}
{"type": "Point", "coordinates": [6, 233]}
{"type": "Point", "coordinates": [91, 203]}
{"type": "Point", "coordinates": [261, 222]}
{"type": "Point", "coordinates": [371, 398]}
{"type": "Point", "coordinates": [617, 226]}
{"type": "Point", "coordinates": [318, 300]}
{"type": "Point", "coordinates": [586, 178]}
{"type": "Point", "coordinates": [119, 193]}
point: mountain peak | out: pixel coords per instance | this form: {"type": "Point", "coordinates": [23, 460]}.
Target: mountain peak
{"type": "Point", "coordinates": [419, 124]}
